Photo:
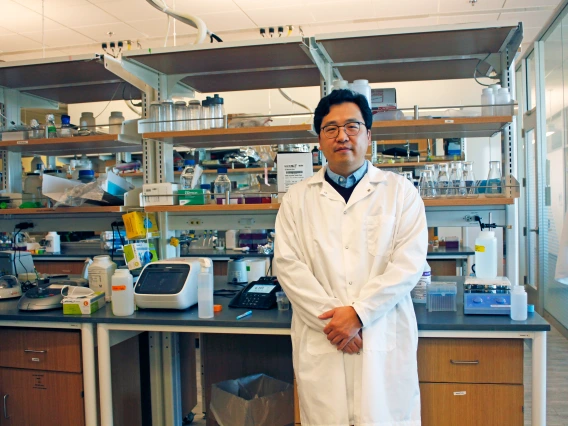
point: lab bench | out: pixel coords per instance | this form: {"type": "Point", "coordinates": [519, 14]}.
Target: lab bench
{"type": "Point", "coordinates": [260, 343]}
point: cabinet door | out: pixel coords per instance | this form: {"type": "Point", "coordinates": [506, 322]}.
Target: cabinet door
{"type": "Point", "coordinates": [34, 398]}
{"type": "Point", "coordinates": [451, 404]}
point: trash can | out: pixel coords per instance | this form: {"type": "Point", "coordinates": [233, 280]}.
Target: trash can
{"type": "Point", "coordinates": [257, 400]}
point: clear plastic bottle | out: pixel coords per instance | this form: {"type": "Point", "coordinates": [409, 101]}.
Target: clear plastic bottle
{"type": "Point", "coordinates": [487, 101]}
{"type": "Point", "coordinates": [207, 188]}
{"type": "Point", "coordinates": [211, 107]}
{"type": "Point", "coordinates": [418, 293]}
{"type": "Point", "coordinates": [50, 129]}
{"type": "Point", "coordinates": [486, 255]}
{"type": "Point", "coordinates": [194, 114]}
{"type": "Point", "coordinates": [65, 131]}
{"type": "Point", "coordinates": [222, 187]}
{"type": "Point", "coordinates": [122, 293]}
{"type": "Point", "coordinates": [168, 109]}
{"type": "Point", "coordinates": [518, 303]}
{"type": "Point", "coordinates": [205, 290]}
{"type": "Point", "coordinates": [115, 122]}
{"type": "Point", "coordinates": [205, 121]}
{"type": "Point", "coordinates": [315, 156]}
{"type": "Point", "coordinates": [186, 177]}
{"type": "Point", "coordinates": [218, 112]}
{"type": "Point", "coordinates": [503, 99]}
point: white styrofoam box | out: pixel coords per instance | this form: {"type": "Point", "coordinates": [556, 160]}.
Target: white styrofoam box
{"type": "Point", "coordinates": [160, 194]}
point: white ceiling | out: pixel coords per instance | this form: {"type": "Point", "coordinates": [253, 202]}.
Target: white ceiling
{"type": "Point", "coordinates": [73, 27]}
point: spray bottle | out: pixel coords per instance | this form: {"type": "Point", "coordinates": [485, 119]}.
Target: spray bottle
{"type": "Point", "coordinates": [205, 289]}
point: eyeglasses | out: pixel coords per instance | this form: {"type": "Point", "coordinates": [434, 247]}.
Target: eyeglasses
{"type": "Point", "coordinates": [350, 129]}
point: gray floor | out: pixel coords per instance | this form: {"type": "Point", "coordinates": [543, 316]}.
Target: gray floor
{"type": "Point", "coordinates": [557, 383]}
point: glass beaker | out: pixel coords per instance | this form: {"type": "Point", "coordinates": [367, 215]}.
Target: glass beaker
{"type": "Point", "coordinates": [427, 186]}
{"type": "Point", "coordinates": [168, 106]}
{"type": "Point", "coordinates": [494, 180]}
{"type": "Point", "coordinates": [156, 117]}
{"type": "Point", "coordinates": [443, 179]}
{"type": "Point", "coordinates": [469, 179]}
{"type": "Point", "coordinates": [180, 113]}
{"type": "Point", "coordinates": [435, 170]}
{"type": "Point", "coordinates": [457, 184]}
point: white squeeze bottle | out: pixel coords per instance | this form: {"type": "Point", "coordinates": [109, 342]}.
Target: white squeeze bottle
{"type": "Point", "coordinates": [418, 293]}
{"type": "Point", "coordinates": [122, 293]}
{"type": "Point", "coordinates": [486, 255]}
{"type": "Point", "coordinates": [518, 303]}
{"type": "Point", "coordinates": [205, 289]}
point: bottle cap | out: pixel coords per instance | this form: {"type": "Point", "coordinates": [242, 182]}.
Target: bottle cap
{"type": "Point", "coordinates": [222, 170]}
{"type": "Point", "coordinates": [189, 162]}
{"type": "Point", "coordinates": [205, 186]}
{"type": "Point", "coordinates": [86, 173]}
{"type": "Point", "coordinates": [217, 308]}
{"type": "Point", "coordinates": [530, 308]}
{"type": "Point", "coordinates": [65, 119]}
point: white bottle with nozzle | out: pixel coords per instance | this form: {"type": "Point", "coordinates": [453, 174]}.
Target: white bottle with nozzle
{"type": "Point", "coordinates": [518, 303]}
{"type": "Point", "coordinates": [122, 293]}
{"type": "Point", "coordinates": [205, 289]}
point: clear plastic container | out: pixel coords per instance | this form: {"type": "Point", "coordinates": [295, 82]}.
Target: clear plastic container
{"type": "Point", "coordinates": [168, 110]}
{"type": "Point", "coordinates": [518, 303]}
{"type": "Point", "coordinates": [487, 101]}
{"type": "Point", "coordinates": [218, 112]}
{"type": "Point", "coordinates": [362, 86]}
{"type": "Point", "coordinates": [503, 99]}
{"type": "Point", "coordinates": [443, 179]}
{"type": "Point", "coordinates": [211, 106]}
{"type": "Point", "coordinates": [486, 255]}
{"type": "Point", "coordinates": [205, 293]}
{"type": "Point", "coordinates": [222, 187]}
{"type": "Point", "coordinates": [194, 114]}
{"type": "Point", "coordinates": [186, 177]}
{"type": "Point", "coordinates": [156, 116]}
{"type": "Point", "coordinates": [282, 301]}
{"type": "Point", "coordinates": [87, 123]}
{"type": "Point", "coordinates": [50, 129]}
{"type": "Point", "coordinates": [205, 115]}
{"type": "Point", "coordinates": [115, 120]}
{"type": "Point", "coordinates": [442, 296]}
{"type": "Point", "coordinates": [122, 293]}
{"type": "Point", "coordinates": [181, 116]}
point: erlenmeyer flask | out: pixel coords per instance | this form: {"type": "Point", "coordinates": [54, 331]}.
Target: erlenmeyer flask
{"type": "Point", "coordinates": [457, 184]}
{"type": "Point", "coordinates": [494, 180]}
{"type": "Point", "coordinates": [443, 180]}
{"type": "Point", "coordinates": [469, 180]}
{"type": "Point", "coordinates": [427, 186]}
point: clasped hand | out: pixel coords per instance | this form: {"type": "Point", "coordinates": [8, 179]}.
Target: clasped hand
{"type": "Point", "coordinates": [344, 329]}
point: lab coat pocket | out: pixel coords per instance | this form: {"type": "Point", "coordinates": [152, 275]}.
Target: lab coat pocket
{"type": "Point", "coordinates": [380, 230]}
{"type": "Point", "coordinates": [317, 343]}
{"type": "Point", "coordinates": [380, 336]}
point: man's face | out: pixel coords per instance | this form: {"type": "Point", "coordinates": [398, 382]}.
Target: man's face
{"type": "Point", "coordinates": [345, 153]}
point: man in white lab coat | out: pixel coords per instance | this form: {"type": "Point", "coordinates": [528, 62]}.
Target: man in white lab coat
{"type": "Point", "coordinates": [351, 243]}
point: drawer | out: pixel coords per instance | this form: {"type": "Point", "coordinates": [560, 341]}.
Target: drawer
{"type": "Point", "coordinates": [451, 404]}
{"type": "Point", "coordinates": [470, 360]}
{"type": "Point", "coordinates": [41, 349]}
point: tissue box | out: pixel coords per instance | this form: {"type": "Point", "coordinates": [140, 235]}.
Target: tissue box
{"type": "Point", "coordinates": [191, 197]}
{"type": "Point", "coordinates": [140, 225]}
{"type": "Point", "coordinates": [159, 194]}
{"type": "Point", "coordinates": [83, 305]}
{"type": "Point", "coordinates": [137, 255]}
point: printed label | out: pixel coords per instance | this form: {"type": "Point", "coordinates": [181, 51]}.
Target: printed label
{"type": "Point", "coordinates": [118, 287]}
{"type": "Point", "coordinates": [21, 142]}
{"type": "Point", "coordinates": [461, 393]}
{"type": "Point", "coordinates": [480, 249]}
{"type": "Point", "coordinates": [448, 121]}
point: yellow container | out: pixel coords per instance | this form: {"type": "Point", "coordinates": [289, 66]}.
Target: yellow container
{"type": "Point", "coordinates": [140, 225]}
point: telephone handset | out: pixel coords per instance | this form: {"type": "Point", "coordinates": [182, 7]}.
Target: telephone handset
{"type": "Point", "coordinates": [259, 294]}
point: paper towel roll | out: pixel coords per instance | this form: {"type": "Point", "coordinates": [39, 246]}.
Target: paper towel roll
{"type": "Point", "coordinates": [256, 268]}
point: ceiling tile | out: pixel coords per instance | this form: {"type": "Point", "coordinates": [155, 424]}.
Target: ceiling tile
{"type": "Point", "coordinates": [120, 30]}
{"type": "Point", "coordinates": [529, 19]}
{"type": "Point", "coordinates": [15, 17]}
{"type": "Point", "coordinates": [80, 16]}
{"type": "Point", "coordinates": [407, 23]}
{"type": "Point", "coordinates": [446, 6]}
{"type": "Point", "coordinates": [529, 3]}
{"type": "Point", "coordinates": [17, 42]}
{"type": "Point", "coordinates": [467, 18]}
{"type": "Point", "coordinates": [293, 15]}
{"type": "Point", "coordinates": [263, 4]}
{"type": "Point", "coordinates": [50, 5]}
{"type": "Point", "coordinates": [199, 7]}
{"type": "Point", "coordinates": [131, 10]}
{"type": "Point", "coordinates": [336, 11]}
{"type": "Point", "coordinates": [159, 27]}
{"type": "Point", "coordinates": [388, 8]}
{"type": "Point", "coordinates": [311, 30]}
{"type": "Point", "coordinates": [226, 21]}
{"type": "Point", "coordinates": [60, 38]}
{"type": "Point", "coordinates": [4, 31]}
{"type": "Point", "coordinates": [30, 55]}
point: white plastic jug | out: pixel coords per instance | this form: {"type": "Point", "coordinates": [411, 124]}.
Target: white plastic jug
{"type": "Point", "coordinates": [122, 293]}
{"type": "Point", "coordinates": [486, 255]}
{"type": "Point", "coordinates": [518, 303]}
{"type": "Point", "coordinates": [53, 241]}
{"type": "Point", "coordinates": [100, 275]}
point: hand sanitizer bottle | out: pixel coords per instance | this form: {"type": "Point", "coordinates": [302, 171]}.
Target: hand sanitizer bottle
{"type": "Point", "coordinates": [205, 289]}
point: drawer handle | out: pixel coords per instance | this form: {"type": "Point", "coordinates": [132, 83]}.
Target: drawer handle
{"type": "Point", "coordinates": [464, 362]}
{"type": "Point", "coordinates": [6, 416]}
{"type": "Point", "coordinates": [34, 351]}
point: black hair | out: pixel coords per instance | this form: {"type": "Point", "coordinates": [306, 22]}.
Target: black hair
{"type": "Point", "coordinates": [341, 96]}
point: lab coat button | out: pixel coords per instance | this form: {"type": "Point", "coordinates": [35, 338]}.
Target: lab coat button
{"type": "Point", "coordinates": [350, 282]}
{"type": "Point", "coordinates": [346, 247]}
{"type": "Point", "coordinates": [345, 212]}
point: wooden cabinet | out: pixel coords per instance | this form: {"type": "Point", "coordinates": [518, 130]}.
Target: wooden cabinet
{"type": "Point", "coordinates": [41, 380]}
{"type": "Point", "coordinates": [471, 381]}
{"type": "Point", "coordinates": [71, 267]}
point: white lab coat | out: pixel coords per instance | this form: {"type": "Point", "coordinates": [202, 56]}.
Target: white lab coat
{"type": "Point", "coordinates": [562, 261]}
{"type": "Point", "coordinates": [368, 253]}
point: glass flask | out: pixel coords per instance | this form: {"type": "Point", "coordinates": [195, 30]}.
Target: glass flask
{"type": "Point", "coordinates": [494, 180]}
{"type": "Point", "coordinates": [443, 179]}
{"type": "Point", "coordinates": [427, 186]}
{"type": "Point", "coordinates": [457, 185]}
{"type": "Point", "coordinates": [469, 179]}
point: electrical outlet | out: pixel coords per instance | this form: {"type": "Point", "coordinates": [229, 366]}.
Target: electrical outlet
{"type": "Point", "coordinates": [195, 221]}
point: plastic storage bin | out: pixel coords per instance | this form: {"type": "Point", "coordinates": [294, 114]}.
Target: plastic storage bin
{"type": "Point", "coordinates": [442, 297]}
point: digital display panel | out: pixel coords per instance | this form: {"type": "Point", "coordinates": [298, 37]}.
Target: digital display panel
{"type": "Point", "coordinates": [261, 288]}
{"type": "Point", "coordinates": [162, 279]}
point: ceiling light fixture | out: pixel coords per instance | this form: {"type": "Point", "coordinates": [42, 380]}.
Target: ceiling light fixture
{"type": "Point", "coordinates": [473, 2]}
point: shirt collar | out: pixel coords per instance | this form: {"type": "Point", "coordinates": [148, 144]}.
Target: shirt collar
{"type": "Point", "coordinates": [349, 181]}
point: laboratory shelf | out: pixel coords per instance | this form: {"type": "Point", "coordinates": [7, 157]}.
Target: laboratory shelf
{"type": "Point", "coordinates": [73, 145]}
{"type": "Point", "coordinates": [302, 133]}
{"type": "Point", "coordinates": [64, 210]}
{"type": "Point", "coordinates": [214, 208]}
{"type": "Point", "coordinates": [482, 200]}
{"type": "Point", "coordinates": [216, 254]}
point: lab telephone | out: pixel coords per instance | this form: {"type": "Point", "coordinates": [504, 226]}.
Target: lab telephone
{"type": "Point", "coordinates": [259, 294]}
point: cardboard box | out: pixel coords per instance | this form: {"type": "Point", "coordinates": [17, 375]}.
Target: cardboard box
{"type": "Point", "coordinates": [383, 99]}
{"type": "Point", "coordinates": [160, 194]}
{"type": "Point", "coordinates": [192, 197]}
{"type": "Point", "coordinates": [140, 225]}
{"type": "Point", "coordinates": [85, 305]}
{"type": "Point", "coordinates": [138, 255]}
